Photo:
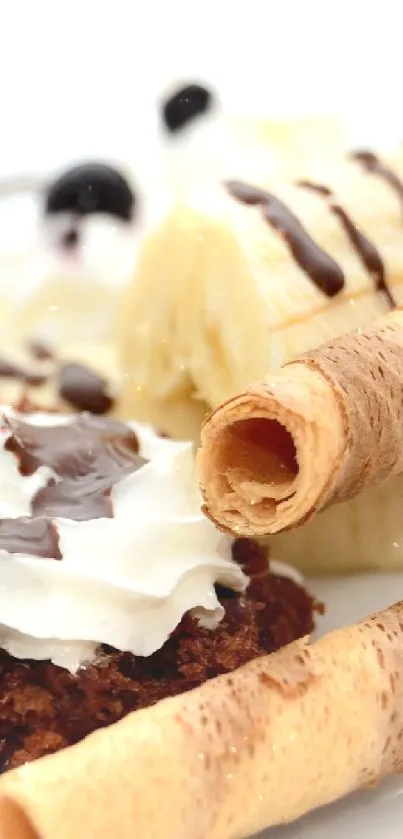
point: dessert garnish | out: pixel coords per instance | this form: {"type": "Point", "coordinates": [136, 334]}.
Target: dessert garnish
{"type": "Point", "coordinates": [134, 553]}
{"type": "Point", "coordinates": [366, 250]}
{"type": "Point", "coordinates": [91, 188]}
{"type": "Point", "coordinates": [320, 267]}
{"type": "Point", "coordinates": [144, 602]}
{"type": "Point", "coordinates": [68, 384]}
{"type": "Point", "coordinates": [184, 105]}
{"type": "Point", "coordinates": [84, 389]}
{"type": "Point", "coordinates": [10, 370]}
{"type": "Point", "coordinates": [372, 164]}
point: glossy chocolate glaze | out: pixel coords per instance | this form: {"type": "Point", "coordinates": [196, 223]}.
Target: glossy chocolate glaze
{"type": "Point", "coordinates": [366, 250]}
{"type": "Point", "coordinates": [84, 389]}
{"type": "Point", "coordinates": [9, 370]}
{"type": "Point", "coordinates": [88, 456]}
{"type": "Point", "coordinates": [371, 163]}
{"type": "Point", "coordinates": [35, 537]}
{"type": "Point", "coordinates": [320, 267]}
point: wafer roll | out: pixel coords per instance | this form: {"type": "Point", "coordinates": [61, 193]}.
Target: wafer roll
{"type": "Point", "coordinates": [262, 746]}
{"type": "Point", "coordinates": [316, 433]}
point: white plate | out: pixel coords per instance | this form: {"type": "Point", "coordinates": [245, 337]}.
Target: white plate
{"type": "Point", "coordinates": [371, 814]}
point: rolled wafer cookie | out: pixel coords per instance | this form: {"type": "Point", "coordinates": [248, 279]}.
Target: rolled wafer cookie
{"type": "Point", "coordinates": [280, 736]}
{"type": "Point", "coordinates": [318, 432]}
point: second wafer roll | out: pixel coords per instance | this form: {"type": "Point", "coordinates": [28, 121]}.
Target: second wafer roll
{"type": "Point", "coordinates": [316, 433]}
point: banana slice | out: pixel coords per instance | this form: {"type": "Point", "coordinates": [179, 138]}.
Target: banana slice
{"type": "Point", "coordinates": [360, 534]}
{"type": "Point", "coordinates": [220, 296]}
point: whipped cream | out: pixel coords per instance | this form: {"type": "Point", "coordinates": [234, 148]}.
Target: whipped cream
{"type": "Point", "coordinates": [125, 581]}
{"type": "Point", "coordinates": [47, 292]}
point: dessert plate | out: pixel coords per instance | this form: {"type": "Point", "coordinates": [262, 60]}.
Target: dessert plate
{"type": "Point", "coordinates": [374, 813]}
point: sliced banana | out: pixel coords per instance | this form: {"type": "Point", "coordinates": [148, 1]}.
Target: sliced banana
{"type": "Point", "coordinates": [218, 298]}
{"type": "Point", "coordinates": [360, 534]}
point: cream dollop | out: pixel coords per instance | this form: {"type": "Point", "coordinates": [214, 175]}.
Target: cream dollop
{"type": "Point", "coordinates": [125, 581]}
{"type": "Point", "coordinates": [47, 291]}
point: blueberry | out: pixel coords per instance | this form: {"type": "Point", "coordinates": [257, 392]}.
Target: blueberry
{"type": "Point", "coordinates": [186, 104]}
{"type": "Point", "coordinates": [91, 188]}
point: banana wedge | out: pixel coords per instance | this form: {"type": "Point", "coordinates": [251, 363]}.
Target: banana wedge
{"type": "Point", "coordinates": [219, 298]}
{"type": "Point", "coordinates": [365, 533]}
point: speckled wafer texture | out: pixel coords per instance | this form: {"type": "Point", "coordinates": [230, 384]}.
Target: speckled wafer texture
{"type": "Point", "coordinates": [278, 737]}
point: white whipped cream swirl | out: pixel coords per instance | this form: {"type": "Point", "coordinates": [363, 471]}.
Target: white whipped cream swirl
{"type": "Point", "coordinates": [125, 581]}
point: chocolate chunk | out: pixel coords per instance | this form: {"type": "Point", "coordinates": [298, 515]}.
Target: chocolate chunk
{"type": "Point", "coordinates": [32, 537]}
{"type": "Point", "coordinates": [184, 105]}
{"type": "Point", "coordinates": [88, 456]}
{"type": "Point", "coordinates": [91, 188]}
{"type": "Point", "coordinates": [84, 389]}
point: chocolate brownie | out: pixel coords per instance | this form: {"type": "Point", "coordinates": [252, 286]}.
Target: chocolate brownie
{"type": "Point", "coordinates": [44, 708]}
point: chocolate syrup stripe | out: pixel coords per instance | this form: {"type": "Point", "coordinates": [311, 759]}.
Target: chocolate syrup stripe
{"type": "Point", "coordinates": [366, 250]}
{"type": "Point", "coordinates": [9, 370]}
{"type": "Point", "coordinates": [320, 267]}
{"type": "Point", "coordinates": [371, 163]}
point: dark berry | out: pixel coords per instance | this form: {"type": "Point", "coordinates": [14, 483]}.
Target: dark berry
{"type": "Point", "coordinates": [91, 188]}
{"type": "Point", "coordinates": [186, 104]}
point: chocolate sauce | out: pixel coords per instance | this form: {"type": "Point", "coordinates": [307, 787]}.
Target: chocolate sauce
{"type": "Point", "coordinates": [247, 194]}
{"type": "Point", "coordinates": [40, 351]}
{"type": "Point", "coordinates": [84, 389]}
{"type": "Point", "coordinates": [9, 370]}
{"type": "Point", "coordinates": [30, 536]}
{"type": "Point", "coordinates": [368, 253]}
{"type": "Point", "coordinates": [321, 268]}
{"type": "Point", "coordinates": [320, 189]}
{"type": "Point", "coordinates": [371, 163]}
{"type": "Point", "coordinates": [366, 250]}
{"type": "Point", "coordinates": [88, 455]}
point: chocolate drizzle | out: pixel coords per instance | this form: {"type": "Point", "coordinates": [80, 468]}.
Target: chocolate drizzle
{"type": "Point", "coordinates": [9, 370]}
{"type": "Point", "coordinates": [320, 189]}
{"type": "Point", "coordinates": [88, 456]}
{"type": "Point", "coordinates": [321, 268]}
{"type": "Point", "coordinates": [366, 250]}
{"type": "Point", "coordinates": [371, 163]}
{"type": "Point", "coordinates": [84, 389]}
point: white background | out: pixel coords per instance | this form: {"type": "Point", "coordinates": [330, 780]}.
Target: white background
{"type": "Point", "coordinates": [78, 77]}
